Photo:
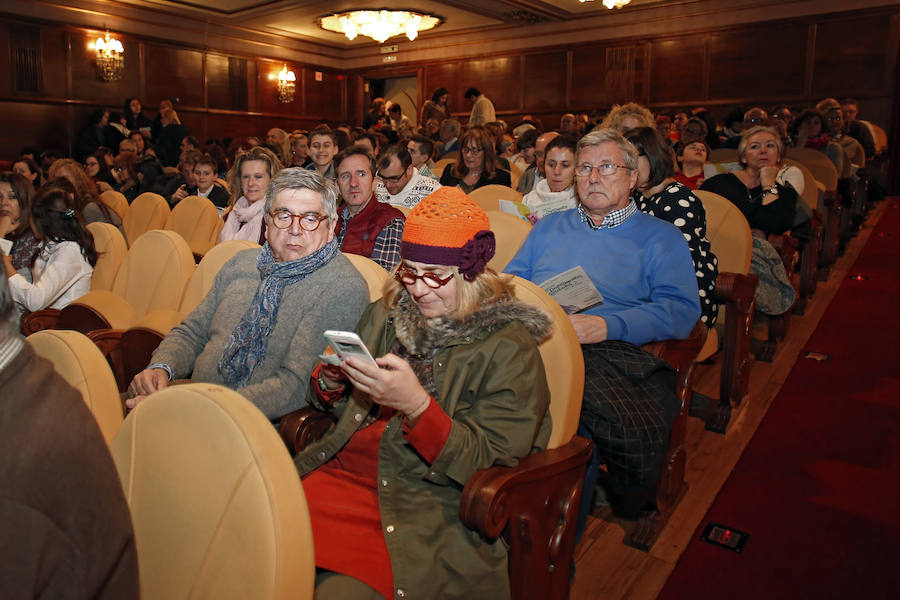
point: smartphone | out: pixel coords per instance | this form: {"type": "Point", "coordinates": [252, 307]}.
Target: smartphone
{"type": "Point", "coordinates": [347, 343]}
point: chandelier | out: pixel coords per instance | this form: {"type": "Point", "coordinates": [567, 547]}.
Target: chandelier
{"type": "Point", "coordinates": [610, 4]}
{"type": "Point", "coordinates": [379, 24]}
{"type": "Point", "coordinates": [110, 57]}
{"type": "Point", "coordinates": [286, 85]}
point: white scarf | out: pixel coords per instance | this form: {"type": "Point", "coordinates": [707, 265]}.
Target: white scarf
{"type": "Point", "coordinates": [244, 222]}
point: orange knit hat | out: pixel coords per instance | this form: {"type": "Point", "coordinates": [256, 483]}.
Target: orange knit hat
{"type": "Point", "coordinates": [447, 228]}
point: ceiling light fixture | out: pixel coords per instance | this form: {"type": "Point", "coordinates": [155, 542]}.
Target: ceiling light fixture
{"type": "Point", "coordinates": [379, 24]}
{"type": "Point", "coordinates": [110, 57]}
{"type": "Point", "coordinates": [610, 4]}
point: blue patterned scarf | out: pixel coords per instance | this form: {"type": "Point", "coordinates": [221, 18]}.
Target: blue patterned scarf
{"type": "Point", "coordinates": [247, 345]}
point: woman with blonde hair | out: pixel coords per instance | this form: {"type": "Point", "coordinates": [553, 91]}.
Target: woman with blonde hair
{"type": "Point", "coordinates": [170, 135]}
{"type": "Point", "coordinates": [477, 164]}
{"type": "Point", "coordinates": [248, 180]}
{"type": "Point", "coordinates": [457, 385]}
{"type": "Point", "coordinates": [627, 116]}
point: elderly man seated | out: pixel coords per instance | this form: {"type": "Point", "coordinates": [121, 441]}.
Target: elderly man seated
{"type": "Point", "coordinates": [366, 227]}
{"type": "Point", "coordinates": [259, 329]}
{"type": "Point", "coordinates": [642, 267]}
{"type": "Point", "coordinates": [399, 182]}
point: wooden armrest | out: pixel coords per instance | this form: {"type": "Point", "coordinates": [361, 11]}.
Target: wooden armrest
{"type": "Point", "coordinates": [109, 342]}
{"type": "Point", "coordinates": [787, 248]}
{"type": "Point", "coordinates": [302, 427]}
{"type": "Point", "coordinates": [680, 353]}
{"type": "Point", "coordinates": [98, 307]}
{"type": "Point", "coordinates": [535, 506]}
{"type": "Point", "coordinates": [736, 288]}
{"type": "Point", "coordinates": [486, 505]}
{"type": "Point", "coordinates": [40, 320]}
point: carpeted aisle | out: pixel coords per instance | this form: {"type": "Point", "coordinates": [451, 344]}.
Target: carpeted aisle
{"type": "Point", "coordinates": [818, 488]}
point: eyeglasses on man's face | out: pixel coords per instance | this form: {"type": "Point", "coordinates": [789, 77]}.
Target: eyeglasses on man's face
{"type": "Point", "coordinates": [391, 178]}
{"type": "Point", "coordinates": [472, 150]}
{"type": "Point", "coordinates": [605, 169]}
{"type": "Point", "coordinates": [408, 276]}
{"type": "Point", "coordinates": [309, 221]}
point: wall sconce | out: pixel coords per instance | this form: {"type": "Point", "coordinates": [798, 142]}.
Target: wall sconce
{"type": "Point", "coordinates": [286, 85]}
{"type": "Point", "coordinates": [110, 57]}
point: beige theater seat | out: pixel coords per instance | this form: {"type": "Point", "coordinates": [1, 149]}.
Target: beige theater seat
{"type": "Point", "coordinates": [732, 242]}
{"type": "Point", "coordinates": [510, 232]}
{"type": "Point", "coordinates": [148, 211]}
{"type": "Point", "coordinates": [111, 249]}
{"type": "Point", "coordinates": [372, 272]}
{"type": "Point", "coordinates": [82, 365]}
{"type": "Point", "coordinates": [217, 505]}
{"type": "Point", "coordinates": [440, 165]}
{"type": "Point", "coordinates": [197, 221]}
{"type": "Point", "coordinates": [153, 276]}
{"type": "Point", "coordinates": [488, 197]}
{"type": "Point", "coordinates": [116, 202]}
{"type": "Point", "coordinates": [129, 350]}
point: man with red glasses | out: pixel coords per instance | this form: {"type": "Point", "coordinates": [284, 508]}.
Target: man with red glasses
{"type": "Point", "coordinates": [260, 327]}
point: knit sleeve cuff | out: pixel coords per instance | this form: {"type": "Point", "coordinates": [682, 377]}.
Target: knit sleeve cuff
{"type": "Point", "coordinates": [430, 433]}
{"type": "Point", "coordinates": [164, 367]}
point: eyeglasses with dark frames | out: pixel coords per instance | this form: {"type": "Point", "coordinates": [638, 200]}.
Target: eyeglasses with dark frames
{"type": "Point", "coordinates": [391, 178]}
{"type": "Point", "coordinates": [309, 221]}
{"type": "Point", "coordinates": [408, 276]}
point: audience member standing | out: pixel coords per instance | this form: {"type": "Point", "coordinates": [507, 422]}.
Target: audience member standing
{"type": "Point", "coordinates": [482, 108]}
{"type": "Point", "coordinates": [436, 108]}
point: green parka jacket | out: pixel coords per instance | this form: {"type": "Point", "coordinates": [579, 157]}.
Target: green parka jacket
{"type": "Point", "coordinates": [489, 378]}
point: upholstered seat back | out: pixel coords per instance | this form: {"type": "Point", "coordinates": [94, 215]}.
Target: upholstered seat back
{"type": "Point", "coordinates": [216, 502]}
{"type": "Point", "coordinates": [372, 272]}
{"type": "Point", "coordinates": [563, 362]}
{"type": "Point", "coordinates": [818, 163]}
{"type": "Point", "coordinates": [204, 276]}
{"type": "Point", "coordinates": [196, 220]}
{"type": "Point", "coordinates": [440, 165]}
{"type": "Point", "coordinates": [147, 211]}
{"type": "Point", "coordinates": [723, 156]}
{"type": "Point", "coordinates": [488, 197]}
{"type": "Point", "coordinates": [78, 360]}
{"type": "Point", "coordinates": [111, 250]}
{"type": "Point", "coordinates": [116, 202]}
{"type": "Point", "coordinates": [728, 233]}
{"type": "Point", "coordinates": [810, 189]}
{"type": "Point", "coordinates": [510, 232]}
{"type": "Point", "coordinates": [155, 272]}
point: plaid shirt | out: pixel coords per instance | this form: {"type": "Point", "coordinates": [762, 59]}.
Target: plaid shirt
{"type": "Point", "coordinates": [387, 245]}
{"type": "Point", "coordinates": [613, 219]}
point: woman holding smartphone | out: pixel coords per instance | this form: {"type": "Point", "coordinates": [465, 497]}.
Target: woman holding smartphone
{"type": "Point", "coordinates": [458, 386]}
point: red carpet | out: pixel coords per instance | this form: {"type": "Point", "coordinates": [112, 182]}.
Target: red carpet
{"type": "Point", "coordinates": [818, 487]}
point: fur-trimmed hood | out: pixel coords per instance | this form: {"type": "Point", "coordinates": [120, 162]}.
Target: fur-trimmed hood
{"type": "Point", "coordinates": [422, 336]}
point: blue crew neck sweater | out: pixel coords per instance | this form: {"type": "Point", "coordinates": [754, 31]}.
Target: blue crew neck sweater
{"type": "Point", "coordinates": [643, 269]}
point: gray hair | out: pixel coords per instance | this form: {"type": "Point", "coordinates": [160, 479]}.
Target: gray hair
{"type": "Point", "coordinates": [9, 316]}
{"type": "Point", "coordinates": [297, 178]}
{"type": "Point", "coordinates": [451, 125]}
{"type": "Point", "coordinates": [604, 136]}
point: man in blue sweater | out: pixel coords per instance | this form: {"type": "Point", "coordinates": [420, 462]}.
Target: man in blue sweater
{"type": "Point", "coordinates": [642, 267]}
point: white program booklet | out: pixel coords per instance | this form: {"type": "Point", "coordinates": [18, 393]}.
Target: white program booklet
{"type": "Point", "coordinates": [533, 215]}
{"type": "Point", "coordinates": [5, 245]}
{"type": "Point", "coordinates": [573, 290]}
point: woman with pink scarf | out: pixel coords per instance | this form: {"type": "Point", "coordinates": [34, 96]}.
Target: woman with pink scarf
{"type": "Point", "coordinates": [248, 180]}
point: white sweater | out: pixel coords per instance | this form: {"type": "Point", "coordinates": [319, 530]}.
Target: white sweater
{"type": "Point", "coordinates": [61, 274]}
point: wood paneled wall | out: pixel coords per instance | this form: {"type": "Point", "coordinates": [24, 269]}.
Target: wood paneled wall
{"type": "Point", "coordinates": [215, 95]}
{"type": "Point", "coordinates": [798, 62]}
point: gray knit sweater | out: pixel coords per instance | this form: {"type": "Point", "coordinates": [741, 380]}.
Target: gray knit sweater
{"type": "Point", "coordinates": [333, 297]}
